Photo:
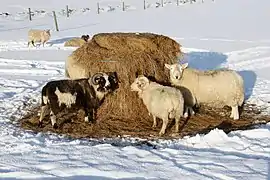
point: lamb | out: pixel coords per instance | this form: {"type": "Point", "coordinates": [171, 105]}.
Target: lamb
{"type": "Point", "coordinates": [77, 42]}
{"type": "Point", "coordinates": [215, 88]}
{"type": "Point", "coordinates": [86, 93]}
{"type": "Point", "coordinates": [161, 101]}
{"type": "Point", "coordinates": [41, 36]}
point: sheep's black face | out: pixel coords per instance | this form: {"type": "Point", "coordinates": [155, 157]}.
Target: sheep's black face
{"type": "Point", "coordinates": [113, 81]}
{"type": "Point", "coordinates": [106, 82]}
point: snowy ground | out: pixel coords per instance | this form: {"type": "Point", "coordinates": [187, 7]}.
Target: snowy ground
{"type": "Point", "coordinates": [224, 33]}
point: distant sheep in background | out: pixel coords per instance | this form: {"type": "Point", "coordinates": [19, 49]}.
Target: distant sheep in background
{"type": "Point", "coordinates": [41, 36]}
{"type": "Point", "coordinates": [77, 42]}
{"type": "Point", "coordinates": [215, 88]}
{"type": "Point", "coordinates": [161, 101]}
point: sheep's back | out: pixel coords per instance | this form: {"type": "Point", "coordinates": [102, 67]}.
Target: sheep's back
{"type": "Point", "coordinates": [219, 88]}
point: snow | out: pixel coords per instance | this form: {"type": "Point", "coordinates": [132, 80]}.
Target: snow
{"type": "Point", "coordinates": [223, 33]}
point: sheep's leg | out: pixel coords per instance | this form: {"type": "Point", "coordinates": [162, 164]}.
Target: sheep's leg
{"type": "Point", "coordinates": [43, 113]}
{"type": "Point", "coordinates": [33, 43]}
{"type": "Point", "coordinates": [164, 126]}
{"type": "Point", "coordinates": [191, 111]}
{"type": "Point", "coordinates": [177, 120]}
{"type": "Point", "coordinates": [232, 112]}
{"type": "Point", "coordinates": [89, 115]}
{"type": "Point", "coordinates": [186, 112]}
{"type": "Point", "coordinates": [53, 120]}
{"type": "Point", "coordinates": [154, 121]}
{"type": "Point", "coordinates": [235, 112]}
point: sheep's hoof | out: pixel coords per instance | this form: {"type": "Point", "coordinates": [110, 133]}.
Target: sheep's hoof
{"type": "Point", "coordinates": [39, 124]}
{"type": "Point", "coordinates": [55, 126]}
{"type": "Point", "coordinates": [175, 134]}
{"type": "Point", "coordinates": [161, 133]}
{"type": "Point", "coordinates": [185, 115]}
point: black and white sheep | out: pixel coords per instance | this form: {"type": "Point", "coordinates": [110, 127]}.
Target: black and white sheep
{"type": "Point", "coordinates": [85, 93]}
{"type": "Point", "coordinates": [215, 88]}
{"type": "Point", "coordinates": [161, 101]}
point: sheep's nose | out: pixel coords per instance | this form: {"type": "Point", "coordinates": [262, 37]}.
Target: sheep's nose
{"type": "Point", "coordinates": [176, 77]}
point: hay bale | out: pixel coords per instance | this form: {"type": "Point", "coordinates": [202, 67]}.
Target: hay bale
{"type": "Point", "coordinates": [75, 42]}
{"type": "Point", "coordinates": [127, 54]}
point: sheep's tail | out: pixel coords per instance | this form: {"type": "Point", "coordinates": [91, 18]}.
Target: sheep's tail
{"type": "Point", "coordinates": [44, 98]}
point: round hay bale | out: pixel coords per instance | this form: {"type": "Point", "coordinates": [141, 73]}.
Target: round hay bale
{"type": "Point", "coordinates": [75, 42]}
{"type": "Point", "coordinates": [128, 54]}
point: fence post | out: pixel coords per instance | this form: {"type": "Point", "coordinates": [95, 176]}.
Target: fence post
{"type": "Point", "coordinates": [55, 21]}
{"type": "Point", "coordinates": [161, 3]}
{"type": "Point", "coordinates": [144, 5]}
{"type": "Point", "coordinates": [177, 2]}
{"type": "Point", "coordinates": [202, 1]}
{"type": "Point", "coordinates": [67, 11]}
{"type": "Point", "coordinates": [98, 8]}
{"type": "Point", "coordinates": [123, 6]}
{"type": "Point", "coordinates": [30, 16]}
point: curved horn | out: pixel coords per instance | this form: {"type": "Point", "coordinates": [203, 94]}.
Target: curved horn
{"type": "Point", "coordinates": [94, 77]}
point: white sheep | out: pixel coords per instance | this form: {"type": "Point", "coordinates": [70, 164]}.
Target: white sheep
{"type": "Point", "coordinates": [215, 88]}
{"type": "Point", "coordinates": [161, 101]}
{"type": "Point", "coordinates": [35, 35]}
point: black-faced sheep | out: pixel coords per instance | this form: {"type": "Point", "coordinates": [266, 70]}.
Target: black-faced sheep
{"type": "Point", "coordinates": [161, 101]}
{"type": "Point", "coordinates": [35, 35]}
{"type": "Point", "coordinates": [85, 93]}
{"type": "Point", "coordinates": [215, 88]}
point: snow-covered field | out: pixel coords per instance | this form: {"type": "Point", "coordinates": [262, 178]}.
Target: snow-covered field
{"type": "Point", "coordinates": [223, 33]}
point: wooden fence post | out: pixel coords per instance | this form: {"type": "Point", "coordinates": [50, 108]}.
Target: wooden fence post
{"type": "Point", "coordinates": [55, 21]}
{"type": "Point", "coordinates": [177, 2]}
{"type": "Point", "coordinates": [161, 3]}
{"type": "Point", "coordinates": [123, 6]}
{"type": "Point", "coordinates": [144, 4]}
{"type": "Point", "coordinates": [98, 8]}
{"type": "Point", "coordinates": [30, 15]}
{"type": "Point", "coordinates": [67, 11]}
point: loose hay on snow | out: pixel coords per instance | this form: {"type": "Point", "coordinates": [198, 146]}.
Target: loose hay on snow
{"type": "Point", "coordinates": [205, 120]}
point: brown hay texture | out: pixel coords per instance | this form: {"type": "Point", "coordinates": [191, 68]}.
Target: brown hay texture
{"type": "Point", "coordinates": [206, 119]}
{"type": "Point", "coordinates": [127, 54]}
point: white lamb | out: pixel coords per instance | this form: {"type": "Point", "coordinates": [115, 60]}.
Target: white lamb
{"type": "Point", "coordinates": [161, 101]}
{"type": "Point", "coordinates": [215, 88]}
{"type": "Point", "coordinates": [35, 35]}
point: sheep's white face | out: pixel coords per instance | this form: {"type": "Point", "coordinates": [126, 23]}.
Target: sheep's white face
{"type": "Point", "coordinates": [176, 70]}
{"type": "Point", "coordinates": [139, 84]}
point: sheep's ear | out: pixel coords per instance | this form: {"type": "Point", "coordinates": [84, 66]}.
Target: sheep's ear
{"type": "Point", "coordinates": [184, 66]}
{"type": "Point", "coordinates": [168, 66]}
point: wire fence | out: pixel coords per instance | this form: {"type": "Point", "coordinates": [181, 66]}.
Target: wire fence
{"type": "Point", "coordinates": [67, 11]}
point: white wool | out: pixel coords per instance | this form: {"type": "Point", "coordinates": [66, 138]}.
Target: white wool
{"type": "Point", "coordinates": [161, 101]}
{"type": "Point", "coordinates": [215, 88]}
{"type": "Point", "coordinates": [38, 36]}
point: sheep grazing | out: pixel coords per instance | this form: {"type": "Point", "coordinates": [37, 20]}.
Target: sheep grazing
{"type": "Point", "coordinates": [85, 93]}
{"type": "Point", "coordinates": [161, 101]}
{"type": "Point", "coordinates": [77, 42]}
{"type": "Point", "coordinates": [215, 88]}
{"type": "Point", "coordinates": [41, 36]}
